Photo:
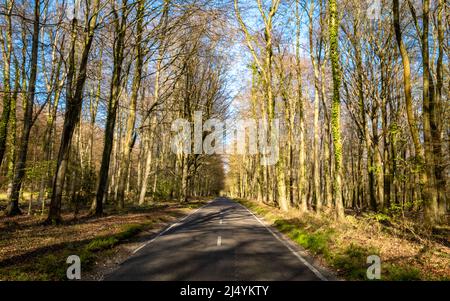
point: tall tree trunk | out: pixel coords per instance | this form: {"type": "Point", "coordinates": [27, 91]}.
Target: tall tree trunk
{"type": "Point", "coordinates": [370, 148]}
{"type": "Point", "coordinates": [74, 101]}
{"type": "Point", "coordinates": [120, 27]}
{"type": "Point", "coordinates": [19, 172]}
{"type": "Point", "coordinates": [93, 111]}
{"type": "Point", "coordinates": [430, 130]}
{"type": "Point", "coordinates": [406, 82]}
{"type": "Point", "coordinates": [57, 85]}
{"type": "Point", "coordinates": [428, 192]}
{"type": "Point", "coordinates": [336, 107]}
{"type": "Point", "coordinates": [7, 50]}
{"type": "Point", "coordinates": [12, 131]}
{"type": "Point", "coordinates": [130, 137]}
{"type": "Point", "coordinates": [315, 62]}
{"type": "Point", "coordinates": [378, 162]}
{"type": "Point", "coordinates": [441, 180]}
{"type": "Point", "coordinates": [387, 170]}
{"type": "Point", "coordinates": [327, 158]}
{"type": "Point", "coordinates": [148, 140]}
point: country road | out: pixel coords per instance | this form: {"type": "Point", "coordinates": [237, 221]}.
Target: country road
{"type": "Point", "coordinates": [220, 241]}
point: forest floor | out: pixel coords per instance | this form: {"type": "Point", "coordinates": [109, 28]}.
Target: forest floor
{"type": "Point", "coordinates": [407, 250]}
{"type": "Point", "coordinates": [32, 251]}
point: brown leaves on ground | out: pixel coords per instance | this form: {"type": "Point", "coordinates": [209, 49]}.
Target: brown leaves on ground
{"type": "Point", "coordinates": [24, 237]}
{"type": "Point", "coordinates": [398, 245]}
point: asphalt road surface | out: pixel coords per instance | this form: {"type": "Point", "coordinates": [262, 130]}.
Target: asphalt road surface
{"type": "Point", "coordinates": [221, 241]}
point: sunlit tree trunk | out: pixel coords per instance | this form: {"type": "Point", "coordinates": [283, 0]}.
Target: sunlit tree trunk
{"type": "Point", "coordinates": [316, 146]}
{"type": "Point", "coordinates": [336, 106]}
{"type": "Point", "coordinates": [326, 140]}
{"type": "Point", "coordinates": [148, 140]}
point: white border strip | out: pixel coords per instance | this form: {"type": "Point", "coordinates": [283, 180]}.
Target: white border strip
{"type": "Point", "coordinates": [303, 260]}
{"type": "Point", "coordinates": [167, 229]}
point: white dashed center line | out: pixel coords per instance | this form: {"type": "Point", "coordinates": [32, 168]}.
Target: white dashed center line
{"type": "Point", "coordinates": [219, 241]}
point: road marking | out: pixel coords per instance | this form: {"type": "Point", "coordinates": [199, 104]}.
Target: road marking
{"type": "Point", "coordinates": [167, 229]}
{"type": "Point", "coordinates": [303, 260]}
{"type": "Point", "coordinates": [219, 241]}
{"type": "Point", "coordinates": [221, 221]}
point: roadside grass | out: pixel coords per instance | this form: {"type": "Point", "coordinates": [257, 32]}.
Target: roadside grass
{"type": "Point", "coordinates": [107, 242]}
{"type": "Point", "coordinates": [344, 247]}
{"type": "Point", "coordinates": [317, 241]}
{"type": "Point", "coordinates": [46, 260]}
{"type": "Point", "coordinates": [404, 273]}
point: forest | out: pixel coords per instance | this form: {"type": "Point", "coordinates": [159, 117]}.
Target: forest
{"type": "Point", "coordinates": [90, 91]}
